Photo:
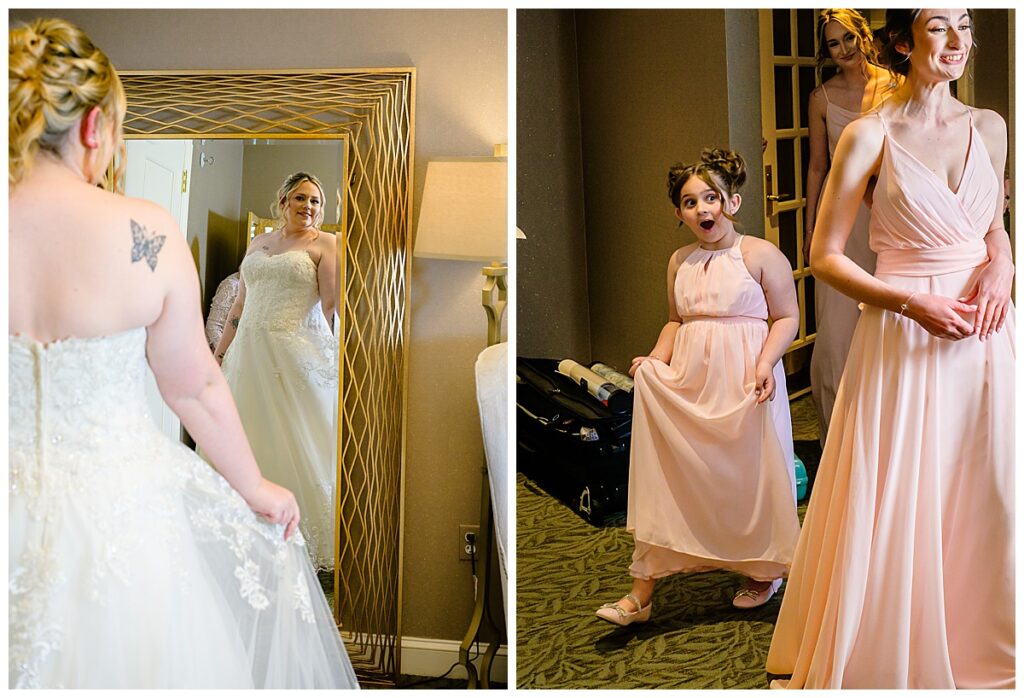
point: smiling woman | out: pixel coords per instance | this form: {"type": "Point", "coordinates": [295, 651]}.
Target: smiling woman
{"type": "Point", "coordinates": [280, 356]}
{"type": "Point", "coordinates": [844, 37]}
{"type": "Point", "coordinates": [904, 573]}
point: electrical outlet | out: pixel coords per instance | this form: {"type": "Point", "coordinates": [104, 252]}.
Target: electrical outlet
{"type": "Point", "coordinates": [469, 534]}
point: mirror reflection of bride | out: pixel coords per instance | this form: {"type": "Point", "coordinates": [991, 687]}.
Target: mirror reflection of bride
{"type": "Point", "coordinates": [279, 356]}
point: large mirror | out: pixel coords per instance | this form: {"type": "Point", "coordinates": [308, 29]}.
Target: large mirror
{"type": "Point", "coordinates": [238, 133]}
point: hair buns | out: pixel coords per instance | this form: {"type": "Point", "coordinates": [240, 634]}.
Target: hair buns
{"type": "Point", "coordinates": [728, 164]}
{"type": "Point", "coordinates": [721, 168]}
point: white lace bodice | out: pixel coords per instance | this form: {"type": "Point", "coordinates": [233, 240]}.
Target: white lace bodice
{"type": "Point", "coordinates": [76, 393]}
{"type": "Point", "coordinates": [86, 457]}
{"type": "Point", "coordinates": [281, 292]}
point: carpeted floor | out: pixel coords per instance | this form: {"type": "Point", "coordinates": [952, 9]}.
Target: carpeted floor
{"type": "Point", "coordinates": [566, 568]}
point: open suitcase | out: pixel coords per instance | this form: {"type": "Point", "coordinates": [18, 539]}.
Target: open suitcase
{"type": "Point", "coordinates": [569, 443]}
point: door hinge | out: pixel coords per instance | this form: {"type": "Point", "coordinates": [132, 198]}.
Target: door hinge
{"type": "Point", "coordinates": [184, 181]}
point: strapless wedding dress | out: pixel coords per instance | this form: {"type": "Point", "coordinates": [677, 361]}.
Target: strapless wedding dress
{"type": "Point", "coordinates": [132, 562]}
{"type": "Point", "coordinates": [282, 367]}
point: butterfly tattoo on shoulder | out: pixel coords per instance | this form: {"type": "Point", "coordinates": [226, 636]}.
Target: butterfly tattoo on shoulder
{"type": "Point", "coordinates": [146, 245]}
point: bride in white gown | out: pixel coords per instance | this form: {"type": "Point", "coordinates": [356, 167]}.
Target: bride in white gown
{"type": "Point", "coordinates": [132, 563]}
{"type": "Point", "coordinates": [280, 357]}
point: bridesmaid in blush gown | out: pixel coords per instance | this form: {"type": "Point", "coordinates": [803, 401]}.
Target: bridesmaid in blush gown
{"type": "Point", "coordinates": [844, 36]}
{"type": "Point", "coordinates": [280, 357]}
{"type": "Point", "coordinates": [711, 481]}
{"type": "Point", "coordinates": [904, 573]}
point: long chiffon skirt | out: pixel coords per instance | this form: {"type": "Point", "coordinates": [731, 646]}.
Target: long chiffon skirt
{"type": "Point", "coordinates": [711, 482]}
{"type": "Point", "coordinates": [904, 573]}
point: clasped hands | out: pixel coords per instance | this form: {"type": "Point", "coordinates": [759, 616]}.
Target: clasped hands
{"type": "Point", "coordinates": [987, 299]}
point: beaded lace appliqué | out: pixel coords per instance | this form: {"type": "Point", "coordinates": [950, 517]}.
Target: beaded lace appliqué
{"type": "Point", "coordinates": [86, 458]}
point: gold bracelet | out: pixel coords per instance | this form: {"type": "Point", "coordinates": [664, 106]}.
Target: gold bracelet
{"type": "Point", "coordinates": [903, 307]}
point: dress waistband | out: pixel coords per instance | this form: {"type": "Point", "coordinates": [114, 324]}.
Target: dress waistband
{"type": "Point", "coordinates": [931, 261]}
{"type": "Point", "coordinates": [722, 318]}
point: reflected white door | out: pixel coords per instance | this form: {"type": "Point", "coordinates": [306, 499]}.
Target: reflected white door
{"type": "Point", "coordinates": [158, 171]}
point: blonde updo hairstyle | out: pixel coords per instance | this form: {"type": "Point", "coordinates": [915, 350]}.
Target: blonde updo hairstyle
{"type": "Point", "coordinates": [290, 184]}
{"type": "Point", "coordinates": [55, 76]}
{"type": "Point", "coordinates": [721, 169]}
{"type": "Point", "coordinates": [855, 23]}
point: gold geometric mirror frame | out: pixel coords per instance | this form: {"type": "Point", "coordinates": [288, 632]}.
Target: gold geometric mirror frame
{"type": "Point", "coordinates": [373, 110]}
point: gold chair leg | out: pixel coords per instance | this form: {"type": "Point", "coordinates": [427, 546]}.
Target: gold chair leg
{"type": "Point", "coordinates": [484, 544]}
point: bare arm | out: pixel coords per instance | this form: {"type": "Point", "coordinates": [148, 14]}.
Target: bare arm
{"type": "Point", "coordinates": [770, 267]}
{"type": "Point", "coordinates": [991, 290]}
{"type": "Point", "coordinates": [817, 166]}
{"type": "Point", "coordinates": [327, 275]}
{"type": "Point", "coordinates": [857, 159]}
{"type": "Point", "coordinates": [192, 385]}
{"type": "Point", "coordinates": [783, 308]}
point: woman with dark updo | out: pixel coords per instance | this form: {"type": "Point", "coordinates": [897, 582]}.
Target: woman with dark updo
{"type": "Point", "coordinates": [711, 482]}
{"type": "Point", "coordinates": [904, 573]}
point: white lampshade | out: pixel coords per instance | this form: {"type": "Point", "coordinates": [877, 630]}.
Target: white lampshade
{"type": "Point", "coordinates": [464, 210]}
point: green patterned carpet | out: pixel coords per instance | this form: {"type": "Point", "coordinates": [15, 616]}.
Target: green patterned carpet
{"type": "Point", "coordinates": [566, 568]}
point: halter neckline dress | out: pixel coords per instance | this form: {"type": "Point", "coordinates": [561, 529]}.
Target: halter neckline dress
{"type": "Point", "coordinates": [711, 481]}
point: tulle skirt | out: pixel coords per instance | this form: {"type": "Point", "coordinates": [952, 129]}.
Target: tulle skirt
{"type": "Point", "coordinates": [285, 385]}
{"type": "Point", "coordinates": [133, 564]}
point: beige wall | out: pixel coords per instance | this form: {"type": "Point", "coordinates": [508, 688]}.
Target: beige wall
{"type": "Point", "coordinates": [461, 109]}
{"type": "Point", "coordinates": [266, 166]}
{"type": "Point", "coordinates": [592, 271]}
{"type": "Point", "coordinates": [552, 304]}
{"type": "Point", "coordinates": [597, 130]}
{"type": "Point", "coordinates": [656, 101]}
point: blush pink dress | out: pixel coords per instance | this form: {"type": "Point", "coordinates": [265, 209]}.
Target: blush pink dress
{"type": "Point", "coordinates": [711, 482]}
{"type": "Point", "coordinates": [904, 574]}
{"type": "Point", "coordinates": [835, 314]}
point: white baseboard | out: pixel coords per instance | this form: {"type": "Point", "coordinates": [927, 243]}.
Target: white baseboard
{"type": "Point", "coordinates": [423, 656]}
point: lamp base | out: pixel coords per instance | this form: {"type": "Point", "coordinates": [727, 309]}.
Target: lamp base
{"type": "Point", "coordinates": [494, 297]}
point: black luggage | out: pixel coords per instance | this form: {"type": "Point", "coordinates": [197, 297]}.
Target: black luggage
{"type": "Point", "coordinates": [569, 443]}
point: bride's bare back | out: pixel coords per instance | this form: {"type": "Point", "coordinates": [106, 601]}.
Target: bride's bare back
{"type": "Point", "coordinates": [86, 263]}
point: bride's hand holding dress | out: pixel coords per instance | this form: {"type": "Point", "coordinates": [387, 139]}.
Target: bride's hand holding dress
{"type": "Point", "coordinates": [276, 505]}
{"type": "Point", "coordinates": [193, 386]}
